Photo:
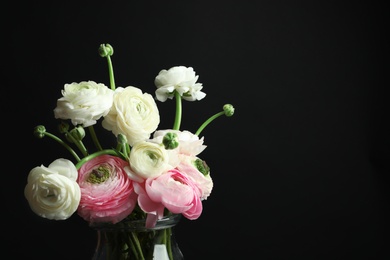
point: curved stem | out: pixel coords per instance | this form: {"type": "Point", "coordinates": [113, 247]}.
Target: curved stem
{"type": "Point", "coordinates": [94, 138]}
{"type": "Point", "coordinates": [63, 144]}
{"type": "Point", "coordinates": [91, 156]}
{"type": "Point", "coordinates": [78, 143]}
{"type": "Point", "coordinates": [208, 121]}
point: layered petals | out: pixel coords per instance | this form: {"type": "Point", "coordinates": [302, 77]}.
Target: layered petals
{"type": "Point", "coordinates": [107, 192]}
{"type": "Point", "coordinates": [172, 190]}
{"type": "Point", "coordinates": [180, 79]}
{"type": "Point", "coordinates": [52, 192]}
{"type": "Point", "coordinates": [133, 114]}
{"type": "Point", "coordinates": [84, 103]}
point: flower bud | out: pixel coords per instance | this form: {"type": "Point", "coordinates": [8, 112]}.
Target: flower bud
{"type": "Point", "coordinates": [39, 131]}
{"type": "Point", "coordinates": [170, 141]}
{"type": "Point", "coordinates": [202, 166]}
{"type": "Point", "coordinates": [228, 109]}
{"type": "Point", "coordinates": [121, 139]}
{"type": "Point", "coordinates": [106, 50]}
{"type": "Point", "coordinates": [63, 127]}
{"type": "Point", "coordinates": [77, 133]}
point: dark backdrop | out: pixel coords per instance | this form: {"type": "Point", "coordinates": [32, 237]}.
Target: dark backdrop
{"type": "Point", "coordinates": [300, 171]}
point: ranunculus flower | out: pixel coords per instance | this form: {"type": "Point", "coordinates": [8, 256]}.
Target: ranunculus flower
{"type": "Point", "coordinates": [181, 79]}
{"type": "Point", "coordinates": [189, 143]}
{"type": "Point", "coordinates": [107, 193]}
{"type": "Point", "coordinates": [172, 190]}
{"type": "Point", "coordinates": [52, 192]}
{"type": "Point", "coordinates": [148, 160]}
{"type": "Point", "coordinates": [199, 172]}
{"type": "Point", "coordinates": [84, 103]}
{"type": "Point", "coordinates": [133, 114]}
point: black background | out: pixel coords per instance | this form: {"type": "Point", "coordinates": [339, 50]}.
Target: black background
{"type": "Point", "coordinates": [300, 171]}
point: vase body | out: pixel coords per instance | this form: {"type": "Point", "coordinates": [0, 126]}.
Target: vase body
{"type": "Point", "coordinates": [129, 239]}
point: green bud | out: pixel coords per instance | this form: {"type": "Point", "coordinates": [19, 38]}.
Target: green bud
{"type": "Point", "coordinates": [121, 139]}
{"type": "Point", "coordinates": [63, 127]}
{"type": "Point", "coordinates": [170, 141]}
{"type": "Point", "coordinates": [228, 109]}
{"type": "Point", "coordinates": [78, 133]}
{"type": "Point", "coordinates": [202, 166]}
{"type": "Point", "coordinates": [39, 131]}
{"type": "Point", "coordinates": [106, 50]}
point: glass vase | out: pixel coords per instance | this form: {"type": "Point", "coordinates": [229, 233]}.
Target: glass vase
{"type": "Point", "coordinates": [129, 239]}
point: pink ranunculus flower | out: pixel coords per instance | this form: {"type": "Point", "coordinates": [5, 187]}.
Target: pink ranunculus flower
{"type": "Point", "coordinates": [197, 169]}
{"type": "Point", "coordinates": [107, 194]}
{"type": "Point", "coordinates": [172, 190]}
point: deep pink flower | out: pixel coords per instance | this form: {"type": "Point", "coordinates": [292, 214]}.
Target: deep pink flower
{"type": "Point", "coordinates": [172, 190]}
{"type": "Point", "coordinates": [107, 194]}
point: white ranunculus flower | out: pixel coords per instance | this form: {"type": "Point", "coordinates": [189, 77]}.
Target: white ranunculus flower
{"type": "Point", "coordinates": [181, 79]}
{"type": "Point", "coordinates": [133, 114]}
{"type": "Point", "coordinates": [52, 192]}
{"type": "Point", "coordinates": [189, 143]}
{"type": "Point", "coordinates": [148, 160]}
{"type": "Point", "coordinates": [84, 103]}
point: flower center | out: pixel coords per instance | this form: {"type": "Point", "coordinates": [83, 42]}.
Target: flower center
{"type": "Point", "coordinates": [99, 175]}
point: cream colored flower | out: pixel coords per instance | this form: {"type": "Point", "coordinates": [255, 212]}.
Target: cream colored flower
{"type": "Point", "coordinates": [133, 114]}
{"type": "Point", "coordinates": [189, 143]}
{"type": "Point", "coordinates": [52, 192]}
{"type": "Point", "coordinates": [181, 79]}
{"type": "Point", "coordinates": [148, 160]}
{"type": "Point", "coordinates": [84, 103]}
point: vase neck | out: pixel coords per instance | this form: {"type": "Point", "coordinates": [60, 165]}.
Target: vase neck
{"type": "Point", "coordinates": [138, 225]}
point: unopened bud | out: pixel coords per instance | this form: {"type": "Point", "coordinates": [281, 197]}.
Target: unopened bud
{"type": "Point", "coordinates": [170, 141]}
{"type": "Point", "coordinates": [228, 109]}
{"type": "Point", "coordinates": [77, 133]}
{"type": "Point", "coordinates": [106, 50]}
{"type": "Point", "coordinates": [202, 166]}
{"type": "Point", "coordinates": [121, 139]}
{"type": "Point", "coordinates": [39, 131]}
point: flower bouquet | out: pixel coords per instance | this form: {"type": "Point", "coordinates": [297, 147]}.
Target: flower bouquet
{"type": "Point", "coordinates": [148, 175]}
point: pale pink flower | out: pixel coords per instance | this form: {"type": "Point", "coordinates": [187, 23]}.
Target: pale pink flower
{"type": "Point", "coordinates": [190, 165]}
{"type": "Point", "coordinates": [107, 194]}
{"type": "Point", "coordinates": [172, 190]}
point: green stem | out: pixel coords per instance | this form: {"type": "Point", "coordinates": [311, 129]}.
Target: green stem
{"type": "Point", "coordinates": [167, 241]}
{"type": "Point", "coordinates": [63, 144]}
{"type": "Point", "coordinates": [91, 156]}
{"type": "Point", "coordinates": [78, 143]}
{"type": "Point", "coordinates": [94, 138]}
{"type": "Point", "coordinates": [137, 249]}
{"type": "Point", "coordinates": [178, 115]}
{"type": "Point", "coordinates": [208, 121]}
{"type": "Point", "coordinates": [125, 150]}
{"type": "Point", "coordinates": [111, 72]}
